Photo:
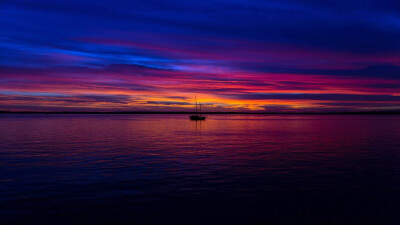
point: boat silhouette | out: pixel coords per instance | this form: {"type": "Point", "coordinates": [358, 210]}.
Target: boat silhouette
{"type": "Point", "coordinates": [198, 115]}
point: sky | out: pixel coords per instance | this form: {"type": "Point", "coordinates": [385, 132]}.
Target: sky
{"type": "Point", "coordinates": [242, 56]}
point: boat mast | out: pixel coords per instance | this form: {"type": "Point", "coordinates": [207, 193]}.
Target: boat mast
{"type": "Point", "coordinates": [196, 103]}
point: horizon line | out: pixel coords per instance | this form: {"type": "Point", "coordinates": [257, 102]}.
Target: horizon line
{"type": "Point", "coordinates": [178, 112]}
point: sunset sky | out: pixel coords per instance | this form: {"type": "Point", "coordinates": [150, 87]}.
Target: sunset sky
{"type": "Point", "coordinates": [156, 55]}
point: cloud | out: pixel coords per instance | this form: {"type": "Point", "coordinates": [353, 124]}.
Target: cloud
{"type": "Point", "coordinates": [377, 71]}
{"type": "Point", "coordinates": [320, 97]}
{"type": "Point", "coordinates": [167, 103]}
{"type": "Point", "coordinates": [360, 104]}
{"type": "Point", "coordinates": [73, 99]}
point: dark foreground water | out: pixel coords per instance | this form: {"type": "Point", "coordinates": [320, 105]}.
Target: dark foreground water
{"type": "Point", "coordinates": [230, 169]}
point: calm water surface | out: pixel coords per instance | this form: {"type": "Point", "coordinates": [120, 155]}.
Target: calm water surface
{"type": "Point", "coordinates": [230, 169]}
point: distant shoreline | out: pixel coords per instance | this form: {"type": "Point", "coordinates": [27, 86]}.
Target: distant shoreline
{"type": "Point", "coordinates": [250, 113]}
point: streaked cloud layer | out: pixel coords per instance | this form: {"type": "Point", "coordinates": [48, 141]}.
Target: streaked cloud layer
{"type": "Point", "coordinates": [274, 56]}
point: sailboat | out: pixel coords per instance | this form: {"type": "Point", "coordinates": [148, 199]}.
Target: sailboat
{"type": "Point", "coordinates": [198, 115]}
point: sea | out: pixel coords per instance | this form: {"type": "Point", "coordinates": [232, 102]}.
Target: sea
{"type": "Point", "coordinates": [229, 169]}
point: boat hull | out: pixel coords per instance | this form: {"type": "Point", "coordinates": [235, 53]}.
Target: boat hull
{"type": "Point", "coordinates": [197, 117]}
